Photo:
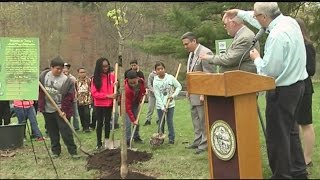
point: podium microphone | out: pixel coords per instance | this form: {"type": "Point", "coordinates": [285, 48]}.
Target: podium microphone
{"type": "Point", "coordinates": [255, 39]}
{"type": "Point", "coordinates": [258, 36]}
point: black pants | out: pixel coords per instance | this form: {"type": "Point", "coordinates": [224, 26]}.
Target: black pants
{"type": "Point", "coordinates": [55, 126]}
{"type": "Point", "coordinates": [4, 112]}
{"type": "Point", "coordinates": [103, 115]}
{"type": "Point", "coordinates": [285, 153]}
{"type": "Point", "coordinates": [93, 123]}
{"type": "Point", "coordinates": [84, 113]}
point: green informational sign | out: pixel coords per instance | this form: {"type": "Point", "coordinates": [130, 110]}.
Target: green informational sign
{"type": "Point", "coordinates": [19, 68]}
{"type": "Point", "coordinates": [222, 45]}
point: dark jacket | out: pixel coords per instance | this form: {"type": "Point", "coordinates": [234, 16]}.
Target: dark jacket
{"type": "Point", "coordinates": [67, 91]}
{"type": "Point", "coordinates": [311, 67]}
{"type": "Point", "coordinates": [130, 98]}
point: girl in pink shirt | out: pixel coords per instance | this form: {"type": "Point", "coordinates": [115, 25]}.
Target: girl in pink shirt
{"type": "Point", "coordinates": [103, 95]}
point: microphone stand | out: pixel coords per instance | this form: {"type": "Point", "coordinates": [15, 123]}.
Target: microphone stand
{"type": "Point", "coordinates": [258, 108]}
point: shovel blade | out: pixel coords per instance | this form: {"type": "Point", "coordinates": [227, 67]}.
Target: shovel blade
{"type": "Point", "coordinates": [113, 144]}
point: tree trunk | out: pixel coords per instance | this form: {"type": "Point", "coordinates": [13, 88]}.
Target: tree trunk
{"type": "Point", "coordinates": [124, 150]}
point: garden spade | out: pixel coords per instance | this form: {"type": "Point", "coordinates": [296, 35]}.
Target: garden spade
{"type": "Point", "coordinates": [137, 121]}
{"type": "Point", "coordinates": [64, 118]}
{"type": "Point", "coordinates": [158, 138]}
{"type": "Point", "coordinates": [113, 144]}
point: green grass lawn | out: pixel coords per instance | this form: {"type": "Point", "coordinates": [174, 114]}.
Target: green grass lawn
{"type": "Point", "coordinates": [168, 161]}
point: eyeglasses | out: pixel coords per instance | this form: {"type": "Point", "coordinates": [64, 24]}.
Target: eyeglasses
{"type": "Point", "coordinates": [225, 24]}
{"type": "Point", "coordinates": [105, 65]}
{"type": "Point", "coordinates": [255, 16]}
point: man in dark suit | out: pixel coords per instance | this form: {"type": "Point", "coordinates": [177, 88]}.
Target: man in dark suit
{"type": "Point", "coordinates": [191, 44]}
{"type": "Point", "coordinates": [242, 41]}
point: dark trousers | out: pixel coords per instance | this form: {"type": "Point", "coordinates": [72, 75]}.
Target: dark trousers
{"type": "Point", "coordinates": [284, 149]}
{"type": "Point", "coordinates": [56, 126]}
{"type": "Point", "coordinates": [4, 113]}
{"type": "Point", "coordinates": [93, 123]}
{"type": "Point", "coordinates": [84, 113]}
{"type": "Point", "coordinates": [103, 115]}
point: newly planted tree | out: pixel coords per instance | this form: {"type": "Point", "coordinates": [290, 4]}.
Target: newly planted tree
{"type": "Point", "coordinates": [124, 28]}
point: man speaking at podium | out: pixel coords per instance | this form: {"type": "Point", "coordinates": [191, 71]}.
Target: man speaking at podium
{"type": "Point", "coordinates": [285, 60]}
{"type": "Point", "coordinates": [242, 41]}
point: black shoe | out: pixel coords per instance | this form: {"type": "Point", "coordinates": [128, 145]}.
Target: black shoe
{"type": "Point", "coordinates": [87, 130]}
{"type": "Point", "coordinates": [171, 141]}
{"type": "Point", "coordinates": [199, 151]}
{"type": "Point", "coordinates": [147, 123]}
{"type": "Point", "coordinates": [191, 147]}
{"type": "Point", "coordinates": [310, 164]}
{"type": "Point", "coordinates": [116, 126]}
{"type": "Point", "coordinates": [33, 136]}
{"type": "Point", "coordinates": [138, 140]}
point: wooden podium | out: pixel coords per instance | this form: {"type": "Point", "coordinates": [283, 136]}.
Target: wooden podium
{"type": "Point", "coordinates": [231, 121]}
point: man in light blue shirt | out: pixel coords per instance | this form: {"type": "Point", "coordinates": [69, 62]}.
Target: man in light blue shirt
{"type": "Point", "coordinates": [285, 60]}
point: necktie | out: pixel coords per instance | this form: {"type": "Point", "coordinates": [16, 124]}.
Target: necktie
{"type": "Point", "coordinates": [190, 62]}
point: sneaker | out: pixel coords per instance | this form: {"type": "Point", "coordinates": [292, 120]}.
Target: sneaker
{"type": "Point", "coordinates": [86, 130]}
{"type": "Point", "coordinates": [171, 141]}
{"type": "Point", "coordinates": [54, 156]}
{"type": "Point", "coordinates": [75, 156]}
{"type": "Point", "coordinates": [98, 147]}
{"type": "Point", "coordinates": [40, 139]}
{"type": "Point", "coordinates": [147, 123]}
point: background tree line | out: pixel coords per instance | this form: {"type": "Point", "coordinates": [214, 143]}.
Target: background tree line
{"type": "Point", "coordinates": [81, 32]}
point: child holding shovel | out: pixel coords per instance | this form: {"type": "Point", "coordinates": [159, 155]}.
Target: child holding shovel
{"type": "Point", "coordinates": [134, 92]}
{"type": "Point", "coordinates": [166, 87]}
{"type": "Point", "coordinates": [102, 91]}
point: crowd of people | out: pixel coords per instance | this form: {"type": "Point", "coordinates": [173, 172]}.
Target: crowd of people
{"type": "Point", "coordinates": [289, 57]}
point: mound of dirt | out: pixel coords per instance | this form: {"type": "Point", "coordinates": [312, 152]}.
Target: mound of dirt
{"type": "Point", "coordinates": [109, 162]}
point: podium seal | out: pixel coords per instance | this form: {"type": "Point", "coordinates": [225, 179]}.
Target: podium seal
{"type": "Point", "coordinates": [222, 140]}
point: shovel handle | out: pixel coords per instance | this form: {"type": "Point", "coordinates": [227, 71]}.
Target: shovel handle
{"type": "Point", "coordinates": [137, 119]}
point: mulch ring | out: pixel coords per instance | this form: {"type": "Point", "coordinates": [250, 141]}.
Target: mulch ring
{"type": "Point", "coordinates": [109, 162]}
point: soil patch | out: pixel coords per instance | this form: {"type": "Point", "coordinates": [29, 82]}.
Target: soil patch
{"type": "Point", "coordinates": [109, 162]}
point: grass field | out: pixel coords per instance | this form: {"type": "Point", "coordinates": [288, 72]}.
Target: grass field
{"type": "Point", "coordinates": [168, 161]}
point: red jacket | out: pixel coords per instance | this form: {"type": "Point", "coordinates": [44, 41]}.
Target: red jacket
{"type": "Point", "coordinates": [100, 97]}
{"type": "Point", "coordinates": [130, 100]}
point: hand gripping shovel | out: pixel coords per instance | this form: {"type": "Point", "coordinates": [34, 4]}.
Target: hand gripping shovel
{"type": "Point", "coordinates": [64, 118]}
{"type": "Point", "coordinates": [113, 144]}
{"type": "Point", "coordinates": [137, 120]}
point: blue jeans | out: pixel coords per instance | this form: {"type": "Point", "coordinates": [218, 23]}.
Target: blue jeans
{"type": "Point", "coordinates": [76, 117]}
{"type": "Point", "coordinates": [169, 119]}
{"type": "Point", "coordinates": [128, 123]}
{"type": "Point", "coordinates": [30, 113]}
